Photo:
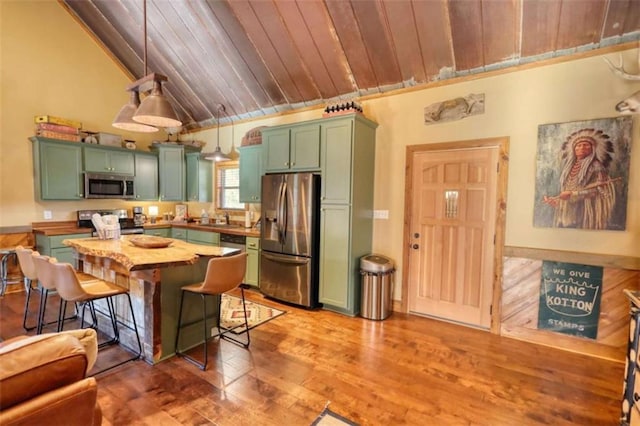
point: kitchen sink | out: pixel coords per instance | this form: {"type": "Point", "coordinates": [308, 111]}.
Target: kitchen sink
{"type": "Point", "coordinates": [221, 225]}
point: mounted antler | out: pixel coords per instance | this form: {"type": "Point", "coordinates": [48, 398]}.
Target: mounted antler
{"type": "Point", "coordinates": [631, 105]}
{"type": "Point", "coordinates": [620, 71]}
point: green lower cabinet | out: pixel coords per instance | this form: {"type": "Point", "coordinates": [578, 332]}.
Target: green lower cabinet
{"type": "Point", "coordinates": [52, 246]}
{"type": "Point", "coordinates": [203, 237]}
{"type": "Point", "coordinates": [159, 232]}
{"type": "Point", "coordinates": [253, 260]}
{"type": "Point", "coordinates": [179, 234]}
{"type": "Point", "coordinates": [338, 285]}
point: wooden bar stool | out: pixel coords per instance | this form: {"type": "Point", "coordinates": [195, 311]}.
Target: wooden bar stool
{"type": "Point", "coordinates": [223, 274]}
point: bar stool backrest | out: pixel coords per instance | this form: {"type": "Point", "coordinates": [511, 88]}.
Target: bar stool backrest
{"type": "Point", "coordinates": [67, 283]}
{"type": "Point", "coordinates": [25, 259]}
{"type": "Point", "coordinates": [224, 273]}
{"type": "Point", "coordinates": [44, 270]}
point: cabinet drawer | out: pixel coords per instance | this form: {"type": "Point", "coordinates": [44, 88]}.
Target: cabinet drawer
{"type": "Point", "coordinates": [56, 241]}
{"type": "Point", "coordinates": [195, 236]}
{"type": "Point", "coordinates": [160, 232]}
{"type": "Point", "coordinates": [179, 233]}
{"type": "Point", "coordinates": [253, 243]}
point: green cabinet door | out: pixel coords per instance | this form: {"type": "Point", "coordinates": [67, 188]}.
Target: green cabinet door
{"type": "Point", "coordinates": [108, 160]}
{"type": "Point", "coordinates": [146, 177]}
{"type": "Point", "coordinates": [199, 178]}
{"type": "Point", "coordinates": [305, 148]}
{"type": "Point", "coordinates": [250, 173]}
{"type": "Point", "coordinates": [171, 173]}
{"type": "Point", "coordinates": [336, 278]}
{"type": "Point", "coordinates": [292, 148]}
{"type": "Point", "coordinates": [253, 260]}
{"type": "Point", "coordinates": [276, 150]}
{"type": "Point", "coordinates": [203, 237]}
{"type": "Point", "coordinates": [52, 246]}
{"type": "Point", "coordinates": [158, 232]}
{"type": "Point", "coordinates": [336, 162]}
{"type": "Point", "coordinates": [58, 169]}
{"type": "Point", "coordinates": [179, 233]}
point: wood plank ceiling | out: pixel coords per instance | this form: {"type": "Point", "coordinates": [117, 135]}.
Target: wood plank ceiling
{"type": "Point", "coordinates": [259, 57]}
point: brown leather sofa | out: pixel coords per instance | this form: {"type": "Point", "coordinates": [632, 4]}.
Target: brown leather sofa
{"type": "Point", "coordinates": [43, 380]}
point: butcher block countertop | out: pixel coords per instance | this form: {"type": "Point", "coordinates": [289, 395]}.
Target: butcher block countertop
{"type": "Point", "coordinates": [223, 229]}
{"type": "Point", "coordinates": [133, 257]}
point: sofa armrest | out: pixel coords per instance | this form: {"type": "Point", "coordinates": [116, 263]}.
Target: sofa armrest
{"type": "Point", "coordinates": [71, 405]}
{"type": "Point", "coordinates": [35, 365]}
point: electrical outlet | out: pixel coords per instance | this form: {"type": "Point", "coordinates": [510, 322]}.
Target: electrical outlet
{"type": "Point", "coordinates": [48, 215]}
{"type": "Point", "coordinates": [381, 214]}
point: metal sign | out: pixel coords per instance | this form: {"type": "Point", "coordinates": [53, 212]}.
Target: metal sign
{"type": "Point", "coordinates": [570, 298]}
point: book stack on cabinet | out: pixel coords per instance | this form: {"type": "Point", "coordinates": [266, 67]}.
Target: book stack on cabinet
{"type": "Point", "coordinates": [52, 127]}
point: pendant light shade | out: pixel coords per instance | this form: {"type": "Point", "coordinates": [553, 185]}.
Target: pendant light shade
{"type": "Point", "coordinates": [217, 154]}
{"type": "Point", "coordinates": [155, 109]}
{"type": "Point", "coordinates": [124, 119]}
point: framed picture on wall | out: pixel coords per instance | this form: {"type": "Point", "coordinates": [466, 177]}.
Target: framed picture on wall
{"type": "Point", "coordinates": [582, 174]}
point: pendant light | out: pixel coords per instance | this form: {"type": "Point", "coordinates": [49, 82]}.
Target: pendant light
{"type": "Point", "coordinates": [217, 154]}
{"type": "Point", "coordinates": [155, 110]}
{"type": "Point", "coordinates": [124, 119]}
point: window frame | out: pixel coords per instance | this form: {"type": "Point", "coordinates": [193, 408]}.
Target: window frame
{"type": "Point", "coordinates": [218, 167]}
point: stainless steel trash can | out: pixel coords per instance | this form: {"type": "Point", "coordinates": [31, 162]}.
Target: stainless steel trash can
{"type": "Point", "coordinates": [377, 286]}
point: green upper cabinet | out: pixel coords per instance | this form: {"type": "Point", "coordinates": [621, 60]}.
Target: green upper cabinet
{"type": "Point", "coordinates": [336, 162]}
{"type": "Point", "coordinates": [171, 173]}
{"type": "Point", "coordinates": [250, 173]}
{"type": "Point", "coordinates": [146, 180]}
{"type": "Point", "coordinates": [199, 178]}
{"type": "Point", "coordinates": [291, 148]}
{"type": "Point", "coordinates": [57, 168]}
{"type": "Point", "coordinates": [108, 160]}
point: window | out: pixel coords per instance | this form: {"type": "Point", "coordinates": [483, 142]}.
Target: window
{"type": "Point", "coordinates": [228, 186]}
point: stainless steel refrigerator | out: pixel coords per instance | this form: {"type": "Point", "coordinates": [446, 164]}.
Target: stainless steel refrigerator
{"type": "Point", "coordinates": [289, 238]}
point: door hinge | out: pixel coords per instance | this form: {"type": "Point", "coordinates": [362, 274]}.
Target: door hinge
{"type": "Point", "coordinates": [490, 309]}
{"type": "Point", "coordinates": [498, 168]}
{"type": "Point", "coordinates": [494, 239]}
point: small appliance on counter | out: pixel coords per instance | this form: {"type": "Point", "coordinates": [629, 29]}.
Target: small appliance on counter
{"type": "Point", "coordinates": [138, 216]}
{"type": "Point", "coordinates": [127, 225]}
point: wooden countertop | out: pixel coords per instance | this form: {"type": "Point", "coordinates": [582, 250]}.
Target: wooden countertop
{"type": "Point", "coordinates": [70, 227]}
{"type": "Point", "coordinates": [224, 229]}
{"type": "Point", "coordinates": [137, 258]}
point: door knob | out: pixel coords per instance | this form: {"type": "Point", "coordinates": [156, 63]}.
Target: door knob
{"type": "Point", "coordinates": [416, 235]}
{"type": "Point", "coordinates": [415, 246]}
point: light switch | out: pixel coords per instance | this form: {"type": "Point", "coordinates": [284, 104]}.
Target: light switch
{"type": "Point", "coordinates": [48, 215]}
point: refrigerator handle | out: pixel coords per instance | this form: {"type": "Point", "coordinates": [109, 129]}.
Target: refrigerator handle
{"type": "Point", "coordinates": [279, 212]}
{"type": "Point", "coordinates": [285, 259]}
{"type": "Point", "coordinates": [285, 212]}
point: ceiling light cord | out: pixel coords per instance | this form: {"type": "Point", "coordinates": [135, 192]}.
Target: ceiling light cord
{"type": "Point", "coordinates": [155, 110]}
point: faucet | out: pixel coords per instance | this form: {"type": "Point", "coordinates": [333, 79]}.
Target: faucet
{"type": "Point", "coordinates": [226, 217]}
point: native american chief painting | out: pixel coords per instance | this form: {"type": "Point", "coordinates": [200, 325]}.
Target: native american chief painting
{"type": "Point", "coordinates": [587, 188]}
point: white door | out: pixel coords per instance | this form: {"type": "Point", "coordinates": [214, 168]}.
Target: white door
{"type": "Point", "coordinates": [452, 234]}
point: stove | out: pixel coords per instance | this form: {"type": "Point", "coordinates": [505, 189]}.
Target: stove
{"type": "Point", "coordinates": [127, 224]}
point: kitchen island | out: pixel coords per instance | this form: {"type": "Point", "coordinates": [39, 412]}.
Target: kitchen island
{"type": "Point", "coordinates": [154, 277]}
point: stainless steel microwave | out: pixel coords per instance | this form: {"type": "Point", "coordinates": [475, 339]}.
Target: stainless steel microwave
{"type": "Point", "coordinates": [105, 185]}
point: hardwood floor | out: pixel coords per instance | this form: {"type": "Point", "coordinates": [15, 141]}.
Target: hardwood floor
{"type": "Point", "coordinates": [404, 370]}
